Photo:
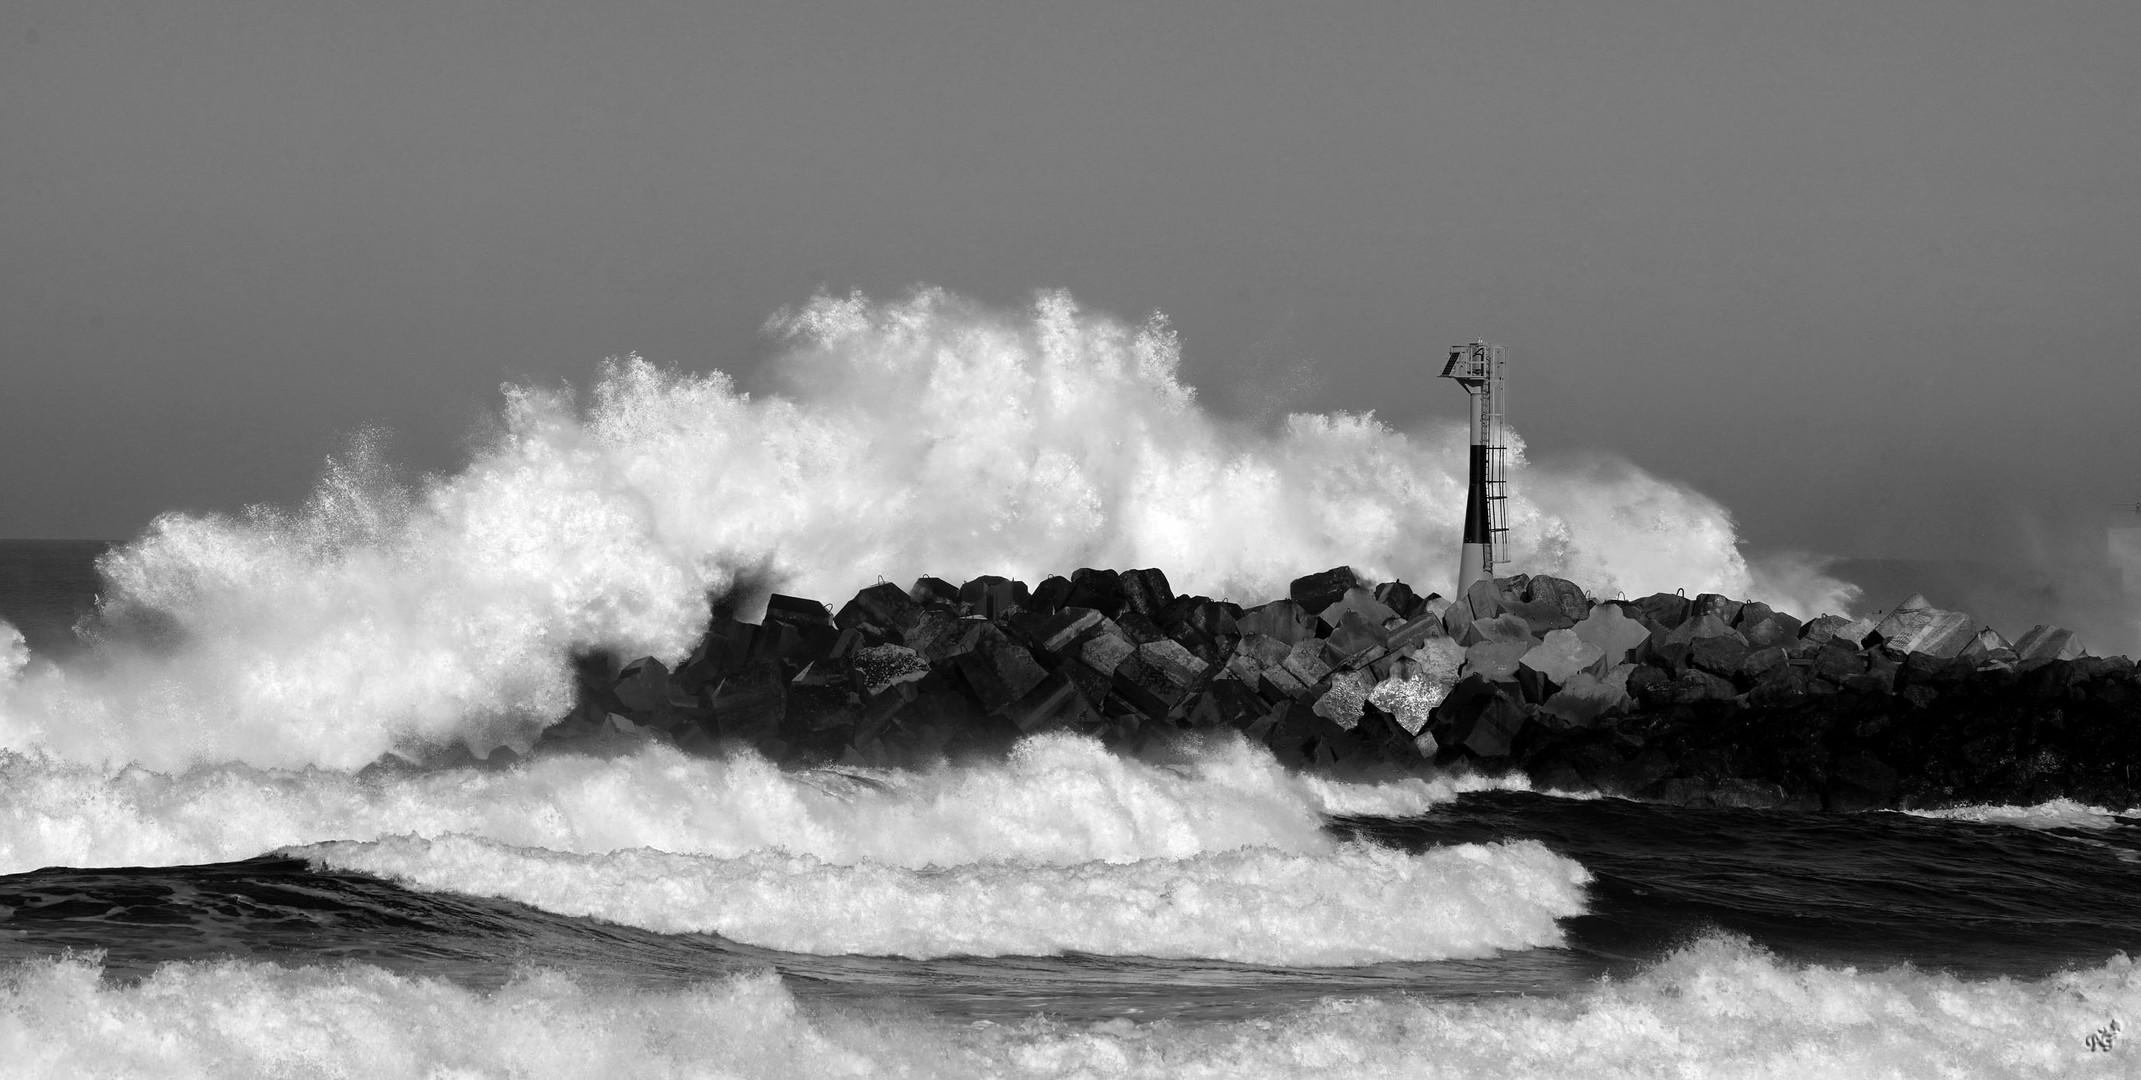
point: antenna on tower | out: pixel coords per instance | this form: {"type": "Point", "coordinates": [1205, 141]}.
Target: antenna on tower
{"type": "Point", "coordinates": [1478, 368]}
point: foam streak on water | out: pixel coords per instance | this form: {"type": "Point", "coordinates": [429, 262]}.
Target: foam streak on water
{"type": "Point", "coordinates": [925, 436]}
{"type": "Point", "coordinates": [1717, 1008]}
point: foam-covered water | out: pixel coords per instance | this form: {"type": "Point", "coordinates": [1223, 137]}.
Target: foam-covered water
{"type": "Point", "coordinates": [1718, 1007]}
{"type": "Point", "coordinates": [1359, 904]}
{"type": "Point", "coordinates": [1056, 800]}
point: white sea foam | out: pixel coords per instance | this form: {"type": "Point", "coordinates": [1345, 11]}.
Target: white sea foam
{"type": "Point", "coordinates": [2055, 814]}
{"type": "Point", "coordinates": [927, 435]}
{"type": "Point", "coordinates": [1057, 799]}
{"type": "Point", "coordinates": [1359, 904]}
{"type": "Point", "coordinates": [1715, 1009]}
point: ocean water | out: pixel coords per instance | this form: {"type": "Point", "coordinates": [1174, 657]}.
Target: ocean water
{"type": "Point", "coordinates": [227, 847]}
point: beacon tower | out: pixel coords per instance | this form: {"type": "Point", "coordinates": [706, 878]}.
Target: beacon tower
{"type": "Point", "coordinates": [1478, 368]}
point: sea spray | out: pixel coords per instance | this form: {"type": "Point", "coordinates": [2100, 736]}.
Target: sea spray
{"type": "Point", "coordinates": [925, 435]}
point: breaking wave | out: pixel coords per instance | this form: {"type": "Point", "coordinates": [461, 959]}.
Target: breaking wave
{"type": "Point", "coordinates": [1057, 799]}
{"type": "Point", "coordinates": [1359, 904]}
{"type": "Point", "coordinates": [923, 436]}
{"type": "Point", "coordinates": [1716, 1008]}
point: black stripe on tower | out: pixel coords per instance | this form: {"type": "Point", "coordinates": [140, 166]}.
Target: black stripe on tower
{"type": "Point", "coordinates": [1476, 498]}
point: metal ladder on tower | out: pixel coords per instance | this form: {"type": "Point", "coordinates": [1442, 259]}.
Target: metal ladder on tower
{"type": "Point", "coordinates": [1494, 418]}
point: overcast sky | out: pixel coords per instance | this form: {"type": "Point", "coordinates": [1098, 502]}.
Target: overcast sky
{"type": "Point", "coordinates": [1865, 272]}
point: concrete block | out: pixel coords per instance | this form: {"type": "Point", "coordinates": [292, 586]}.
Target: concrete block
{"type": "Point", "coordinates": [1561, 655]}
{"type": "Point", "coordinates": [1342, 703]}
{"type": "Point", "coordinates": [1361, 602]}
{"type": "Point", "coordinates": [1314, 592]}
{"type": "Point", "coordinates": [1282, 619]}
{"type": "Point", "coordinates": [1610, 628]}
{"type": "Point", "coordinates": [1146, 592]}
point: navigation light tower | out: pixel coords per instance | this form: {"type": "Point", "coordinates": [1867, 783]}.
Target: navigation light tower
{"type": "Point", "coordinates": [1478, 368]}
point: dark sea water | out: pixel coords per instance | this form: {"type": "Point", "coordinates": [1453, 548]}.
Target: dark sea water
{"type": "Point", "coordinates": [645, 914]}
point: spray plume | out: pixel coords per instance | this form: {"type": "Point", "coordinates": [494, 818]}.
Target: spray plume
{"type": "Point", "coordinates": [929, 435]}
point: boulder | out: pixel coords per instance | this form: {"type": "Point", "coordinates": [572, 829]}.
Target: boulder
{"type": "Point", "coordinates": [1916, 626]}
{"type": "Point", "coordinates": [1609, 628]}
{"type": "Point", "coordinates": [1561, 655]}
{"type": "Point", "coordinates": [1314, 592]}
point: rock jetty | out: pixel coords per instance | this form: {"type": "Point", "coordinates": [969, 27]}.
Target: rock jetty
{"type": "Point", "coordinates": [1707, 701]}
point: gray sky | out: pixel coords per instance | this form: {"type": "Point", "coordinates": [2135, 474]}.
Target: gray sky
{"type": "Point", "coordinates": [1865, 272]}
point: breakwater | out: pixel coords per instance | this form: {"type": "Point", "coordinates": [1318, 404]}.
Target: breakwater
{"type": "Point", "coordinates": [1695, 701]}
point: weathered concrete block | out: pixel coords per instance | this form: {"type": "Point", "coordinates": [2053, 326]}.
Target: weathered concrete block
{"type": "Point", "coordinates": [1400, 598]}
{"type": "Point", "coordinates": [1146, 592]}
{"type": "Point", "coordinates": [1314, 592]}
{"type": "Point", "coordinates": [1916, 626]}
{"type": "Point", "coordinates": [1724, 607]}
{"type": "Point", "coordinates": [1361, 602]}
{"type": "Point", "coordinates": [1505, 627]}
{"type": "Point", "coordinates": [1666, 609]}
{"type": "Point", "coordinates": [1355, 641]}
{"type": "Point", "coordinates": [1308, 661]}
{"type": "Point", "coordinates": [993, 597]}
{"type": "Point", "coordinates": [1101, 590]}
{"type": "Point", "coordinates": [1342, 703]}
{"type": "Point", "coordinates": [2045, 642]}
{"type": "Point", "coordinates": [1561, 594]}
{"type": "Point", "coordinates": [1282, 619]}
{"type": "Point", "coordinates": [1777, 629]}
{"type": "Point", "coordinates": [1699, 627]}
{"type": "Point", "coordinates": [1720, 655]}
{"type": "Point", "coordinates": [878, 668]}
{"type": "Point", "coordinates": [1609, 628]}
{"type": "Point", "coordinates": [931, 591]}
{"type": "Point", "coordinates": [1496, 660]}
{"type": "Point", "coordinates": [1104, 651]}
{"type": "Point", "coordinates": [1561, 655]}
{"type": "Point", "coordinates": [1585, 697]}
